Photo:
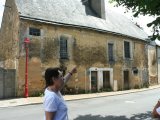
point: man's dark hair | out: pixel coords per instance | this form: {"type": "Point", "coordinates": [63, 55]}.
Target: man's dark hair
{"type": "Point", "coordinates": [49, 73]}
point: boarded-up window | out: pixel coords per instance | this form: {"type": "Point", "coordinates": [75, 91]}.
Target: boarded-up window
{"type": "Point", "coordinates": [34, 31]}
{"type": "Point", "coordinates": [63, 48]}
{"type": "Point", "coordinates": [110, 52]}
{"type": "Point", "coordinates": [127, 49]}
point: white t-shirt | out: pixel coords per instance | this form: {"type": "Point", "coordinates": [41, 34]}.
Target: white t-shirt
{"type": "Point", "coordinates": [158, 110]}
{"type": "Point", "coordinates": [54, 102]}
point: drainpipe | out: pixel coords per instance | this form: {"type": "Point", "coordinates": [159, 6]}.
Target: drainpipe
{"type": "Point", "coordinates": [26, 42]}
{"type": "Point", "coordinates": [85, 80]}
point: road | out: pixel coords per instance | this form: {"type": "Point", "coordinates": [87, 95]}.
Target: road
{"type": "Point", "coordinates": [133, 106]}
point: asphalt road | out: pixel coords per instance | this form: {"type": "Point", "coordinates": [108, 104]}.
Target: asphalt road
{"type": "Point", "coordinates": [133, 106]}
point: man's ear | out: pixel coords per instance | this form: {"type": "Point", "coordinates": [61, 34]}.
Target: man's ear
{"type": "Point", "coordinates": [52, 80]}
{"type": "Point", "coordinates": [60, 73]}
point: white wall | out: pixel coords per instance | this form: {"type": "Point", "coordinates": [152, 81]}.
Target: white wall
{"type": "Point", "coordinates": [100, 76]}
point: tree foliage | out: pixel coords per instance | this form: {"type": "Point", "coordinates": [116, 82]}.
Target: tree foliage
{"type": "Point", "coordinates": [144, 7]}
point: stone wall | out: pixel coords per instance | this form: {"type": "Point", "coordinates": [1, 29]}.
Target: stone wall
{"type": "Point", "coordinates": [87, 48]}
{"type": "Point", "coordinates": [152, 64]}
{"type": "Point", "coordinates": [9, 44]}
{"type": "Point", "coordinates": [9, 35]}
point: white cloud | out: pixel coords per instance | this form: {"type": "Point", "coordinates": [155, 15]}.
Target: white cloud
{"type": "Point", "coordinates": [157, 42]}
{"type": "Point", "coordinates": [2, 2]}
{"type": "Point", "coordinates": [141, 20]}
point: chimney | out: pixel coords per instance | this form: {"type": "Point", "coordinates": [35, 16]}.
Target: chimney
{"type": "Point", "coordinates": [99, 7]}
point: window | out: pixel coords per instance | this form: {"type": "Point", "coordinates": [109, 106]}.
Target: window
{"type": "Point", "coordinates": [63, 48]}
{"type": "Point", "coordinates": [135, 70]}
{"type": "Point", "coordinates": [110, 52]}
{"type": "Point", "coordinates": [34, 31]}
{"type": "Point", "coordinates": [127, 49]}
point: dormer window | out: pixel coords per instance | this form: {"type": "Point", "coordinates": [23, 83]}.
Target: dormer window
{"type": "Point", "coordinates": [95, 8]}
{"type": "Point", "coordinates": [85, 2]}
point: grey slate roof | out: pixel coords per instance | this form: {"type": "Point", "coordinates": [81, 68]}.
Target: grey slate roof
{"type": "Point", "coordinates": [73, 12]}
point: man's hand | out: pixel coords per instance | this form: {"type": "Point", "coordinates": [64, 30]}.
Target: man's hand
{"type": "Point", "coordinates": [74, 70]}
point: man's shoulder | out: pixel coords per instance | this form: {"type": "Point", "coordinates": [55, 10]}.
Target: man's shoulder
{"type": "Point", "coordinates": [50, 95]}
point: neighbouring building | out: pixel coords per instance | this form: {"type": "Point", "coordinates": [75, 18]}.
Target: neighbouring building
{"type": "Point", "coordinates": [109, 50]}
{"type": "Point", "coordinates": [154, 62]}
{"type": "Point", "coordinates": [158, 62]}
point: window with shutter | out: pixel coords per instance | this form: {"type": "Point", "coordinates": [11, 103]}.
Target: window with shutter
{"type": "Point", "coordinates": [34, 31]}
{"type": "Point", "coordinates": [63, 48]}
{"type": "Point", "coordinates": [127, 49]}
{"type": "Point", "coordinates": [110, 52]}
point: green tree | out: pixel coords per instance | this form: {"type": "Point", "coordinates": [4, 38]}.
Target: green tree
{"type": "Point", "coordinates": [144, 7]}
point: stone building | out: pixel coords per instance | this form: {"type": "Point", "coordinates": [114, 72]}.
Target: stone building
{"type": "Point", "coordinates": [108, 49]}
{"type": "Point", "coordinates": [154, 62]}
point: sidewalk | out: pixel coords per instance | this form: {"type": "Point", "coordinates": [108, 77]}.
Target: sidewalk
{"type": "Point", "coordinates": [38, 100]}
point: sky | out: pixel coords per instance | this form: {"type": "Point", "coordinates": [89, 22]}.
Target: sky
{"type": "Point", "coordinates": [2, 2]}
{"type": "Point", "coordinates": [141, 20]}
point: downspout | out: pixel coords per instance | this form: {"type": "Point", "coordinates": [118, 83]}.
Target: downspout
{"type": "Point", "coordinates": [85, 81]}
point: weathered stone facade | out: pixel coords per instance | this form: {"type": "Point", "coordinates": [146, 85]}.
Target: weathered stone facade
{"type": "Point", "coordinates": [158, 62]}
{"type": "Point", "coordinates": [9, 35]}
{"type": "Point", "coordinates": [152, 64]}
{"type": "Point", "coordinates": [87, 49]}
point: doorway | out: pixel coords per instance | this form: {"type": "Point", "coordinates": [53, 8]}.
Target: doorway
{"type": "Point", "coordinates": [106, 80]}
{"type": "Point", "coordinates": [94, 78]}
{"type": "Point", "coordinates": [126, 80]}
